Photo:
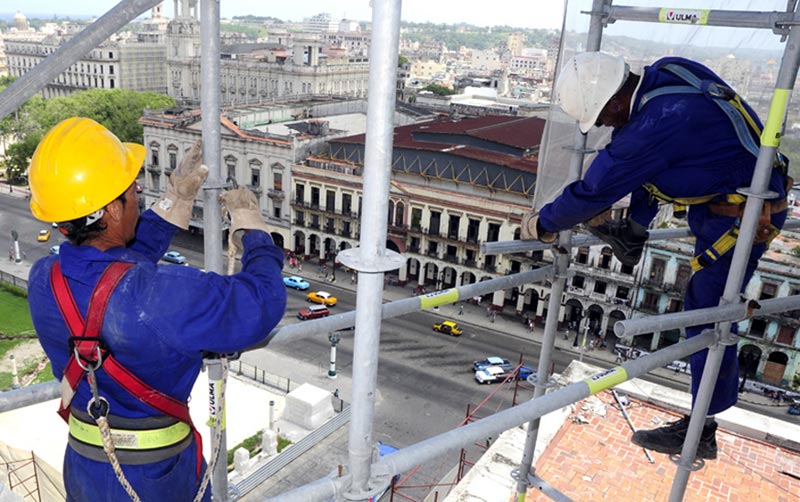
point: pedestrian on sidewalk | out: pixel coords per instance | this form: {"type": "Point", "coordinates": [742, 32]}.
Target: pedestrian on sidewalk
{"type": "Point", "coordinates": [461, 309]}
{"type": "Point", "coordinates": [494, 315]}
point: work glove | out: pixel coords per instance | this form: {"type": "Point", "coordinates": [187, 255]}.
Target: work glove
{"type": "Point", "coordinates": [175, 206]}
{"type": "Point", "coordinates": [240, 206]}
{"type": "Point", "coordinates": [531, 230]}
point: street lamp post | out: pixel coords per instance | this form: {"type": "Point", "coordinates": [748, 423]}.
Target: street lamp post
{"type": "Point", "coordinates": [334, 339]}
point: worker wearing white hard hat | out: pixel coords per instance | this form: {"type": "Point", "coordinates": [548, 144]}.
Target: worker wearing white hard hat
{"type": "Point", "coordinates": [681, 136]}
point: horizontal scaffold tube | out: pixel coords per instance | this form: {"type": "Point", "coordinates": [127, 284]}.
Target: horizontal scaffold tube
{"type": "Point", "coordinates": [406, 306]}
{"type": "Point", "coordinates": [708, 17]}
{"type": "Point", "coordinates": [407, 458]}
{"type": "Point", "coordinates": [722, 313]}
{"type": "Point", "coordinates": [580, 240]}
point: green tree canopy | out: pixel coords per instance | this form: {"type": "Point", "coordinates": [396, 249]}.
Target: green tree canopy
{"type": "Point", "coordinates": [439, 90]}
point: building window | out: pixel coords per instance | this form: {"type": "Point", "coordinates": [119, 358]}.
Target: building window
{"type": "Point", "coordinates": [255, 177]}
{"type": "Point", "coordinates": [173, 157]}
{"type": "Point", "coordinates": [276, 211]}
{"type": "Point", "coordinates": [768, 291]}
{"type": "Point", "coordinates": [600, 287]}
{"type": "Point", "coordinates": [757, 328]}
{"type": "Point", "coordinates": [605, 259]}
{"type": "Point", "coordinates": [682, 276]}
{"type": "Point", "coordinates": [675, 306]}
{"type": "Point", "coordinates": [650, 301]}
{"type": "Point", "coordinates": [277, 181]}
{"type": "Point", "coordinates": [583, 256]}
{"type": "Point", "coordinates": [657, 271]}
{"type": "Point", "coordinates": [785, 335]}
{"type": "Point", "coordinates": [578, 281]}
{"type": "Point", "coordinates": [623, 292]}
{"type": "Point", "coordinates": [110, 69]}
{"type": "Point", "coordinates": [154, 154]}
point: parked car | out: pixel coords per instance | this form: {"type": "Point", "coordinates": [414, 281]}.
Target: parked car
{"type": "Point", "coordinates": [296, 282]}
{"type": "Point", "coordinates": [491, 374]}
{"type": "Point", "coordinates": [44, 235]}
{"type": "Point", "coordinates": [174, 257]}
{"type": "Point", "coordinates": [794, 408]}
{"type": "Point", "coordinates": [498, 373]}
{"type": "Point", "coordinates": [448, 328]}
{"type": "Point", "coordinates": [55, 249]}
{"type": "Point", "coordinates": [321, 297]}
{"type": "Point", "coordinates": [489, 361]}
{"type": "Point", "coordinates": [313, 312]}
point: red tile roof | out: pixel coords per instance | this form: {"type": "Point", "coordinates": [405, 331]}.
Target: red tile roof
{"type": "Point", "coordinates": [515, 132]}
{"type": "Point", "coordinates": [596, 461]}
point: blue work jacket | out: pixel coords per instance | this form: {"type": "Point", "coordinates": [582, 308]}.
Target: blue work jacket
{"type": "Point", "coordinates": [159, 321]}
{"type": "Point", "coordinates": [682, 143]}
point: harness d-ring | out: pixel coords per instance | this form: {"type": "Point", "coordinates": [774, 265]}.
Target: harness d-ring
{"type": "Point", "coordinates": [101, 408]}
{"type": "Point", "coordinates": [79, 361]}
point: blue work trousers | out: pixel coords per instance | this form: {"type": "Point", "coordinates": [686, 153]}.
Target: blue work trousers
{"type": "Point", "coordinates": [705, 289]}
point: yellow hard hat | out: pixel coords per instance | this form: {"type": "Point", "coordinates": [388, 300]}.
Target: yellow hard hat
{"type": "Point", "coordinates": [78, 168]}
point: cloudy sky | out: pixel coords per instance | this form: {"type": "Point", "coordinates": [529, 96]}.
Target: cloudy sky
{"type": "Point", "coordinates": [519, 13]}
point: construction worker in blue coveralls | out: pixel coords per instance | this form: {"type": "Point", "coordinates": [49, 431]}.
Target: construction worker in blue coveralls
{"type": "Point", "coordinates": [681, 136]}
{"type": "Point", "coordinates": [126, 335]}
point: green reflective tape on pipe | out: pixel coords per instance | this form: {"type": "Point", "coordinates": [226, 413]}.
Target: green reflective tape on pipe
{"type": "Point", "coordinates": [776, 119]}
{"type": "Point", "coordinates": [606, 379]}
{"type": "Point", "coordinates": [437, 298]}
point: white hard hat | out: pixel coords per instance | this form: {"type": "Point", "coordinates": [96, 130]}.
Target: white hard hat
{"type": "Point", "coordinates": [586, 83]}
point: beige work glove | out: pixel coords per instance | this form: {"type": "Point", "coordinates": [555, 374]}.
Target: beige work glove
{"type": "Point", "coordinates": [240, 207]}
{"type": "Point", "coordinates": [176, 204]}
{"type": "Point", "coordinates": [531, 231]}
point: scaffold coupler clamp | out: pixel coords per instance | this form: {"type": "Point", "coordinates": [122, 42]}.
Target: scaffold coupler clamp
{"type": "Point", "coordinates": [543, 486]}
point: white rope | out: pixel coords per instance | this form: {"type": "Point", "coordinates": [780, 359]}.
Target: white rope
{"type": "Point", "coordinates": [108, 446]}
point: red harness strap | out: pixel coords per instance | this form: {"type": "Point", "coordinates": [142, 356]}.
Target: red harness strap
{"type": "Point", "coordinates": [88, 344]}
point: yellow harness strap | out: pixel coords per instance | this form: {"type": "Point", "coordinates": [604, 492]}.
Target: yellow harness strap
{"type": "Point", "coordinates": [719, 248]}
{"type": "Point", "coordinates": [130, 439]}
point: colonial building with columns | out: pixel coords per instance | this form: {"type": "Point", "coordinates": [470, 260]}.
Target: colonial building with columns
{"type": "Point", "coordinates": [301, 65]}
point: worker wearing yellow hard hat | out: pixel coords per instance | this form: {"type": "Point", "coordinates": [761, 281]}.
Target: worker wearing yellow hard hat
{"type": "Point", "coordinates": [126, 335]}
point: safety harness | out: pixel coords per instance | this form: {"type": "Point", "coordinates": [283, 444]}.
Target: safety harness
{"type": "Point", "coordinates": [730, 205]}
{"type": "Point", "coordinates": [137, 441]}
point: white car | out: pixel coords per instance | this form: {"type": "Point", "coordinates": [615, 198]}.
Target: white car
{"type": "Point", "coordinates": [491, 374]}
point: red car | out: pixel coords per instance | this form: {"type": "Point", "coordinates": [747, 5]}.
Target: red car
{"type": "Point", "coordinates": [313, 312]}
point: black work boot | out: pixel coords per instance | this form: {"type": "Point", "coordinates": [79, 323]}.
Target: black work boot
{"type": "Point", "coordinates": [626, 238]}
{"type": "Point", "coordinates": [669, 439]}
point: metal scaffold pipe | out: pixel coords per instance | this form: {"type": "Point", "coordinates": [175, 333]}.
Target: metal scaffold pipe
{"type": "Point", "coordinates": [73, 50]}
{"type": "Point", "coordinates": [756, 193]}
{"type": "Point", "coordinates": [526, 473]}
{"type": "Point", "coordinates": [581, 240]}
{"type": "Point", "coordinates": [723, 313]}
{"type": "Point", "coordinates": [371, 259]}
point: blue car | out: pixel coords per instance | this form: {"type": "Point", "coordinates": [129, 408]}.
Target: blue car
{"type": "Point", "coordinates": [174, 257]}
{"type": "Point", "coordinates": [296, 282]}
{"type": "Point", "coordinates": [489, 361]}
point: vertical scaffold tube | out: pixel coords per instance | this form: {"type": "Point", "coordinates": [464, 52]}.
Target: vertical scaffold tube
{"type": "Point", "coordinates": [377, 177]}
{"type": "Point", "coordinates": [562, 262]}
{"type": "Point", "coordinates": [757, 192]}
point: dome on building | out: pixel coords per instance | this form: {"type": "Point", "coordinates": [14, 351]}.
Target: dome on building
{"type": "Point", "coordinates": [20, 22]}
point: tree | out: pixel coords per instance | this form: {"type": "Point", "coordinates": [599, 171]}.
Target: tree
{"type": "Point", "coordinates": [439, 90]}
{"type": "Point", "coordinates": [18, 157]}
{"type": "Point", "coordinates": [401, 60]}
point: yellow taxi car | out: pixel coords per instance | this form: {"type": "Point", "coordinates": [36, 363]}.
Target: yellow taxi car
{"type": "Point", "coordinates": [321, 297]}
{"type": "Point", "coordinates": [448, 328]}
{"type": "Point", "coordinates": [44, 235]}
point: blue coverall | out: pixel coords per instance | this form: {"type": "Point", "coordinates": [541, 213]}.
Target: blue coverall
{"type": "Point", "coordinates": [687, 147]}
{"type": "Point", "coordinates": [159, 320]}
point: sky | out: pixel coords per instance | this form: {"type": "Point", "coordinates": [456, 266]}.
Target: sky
{"type": "Point", "coordinates": [517, 13]}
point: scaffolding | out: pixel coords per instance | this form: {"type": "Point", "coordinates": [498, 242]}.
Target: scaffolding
{"type": "Point", "coordinates": [364, 477]}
